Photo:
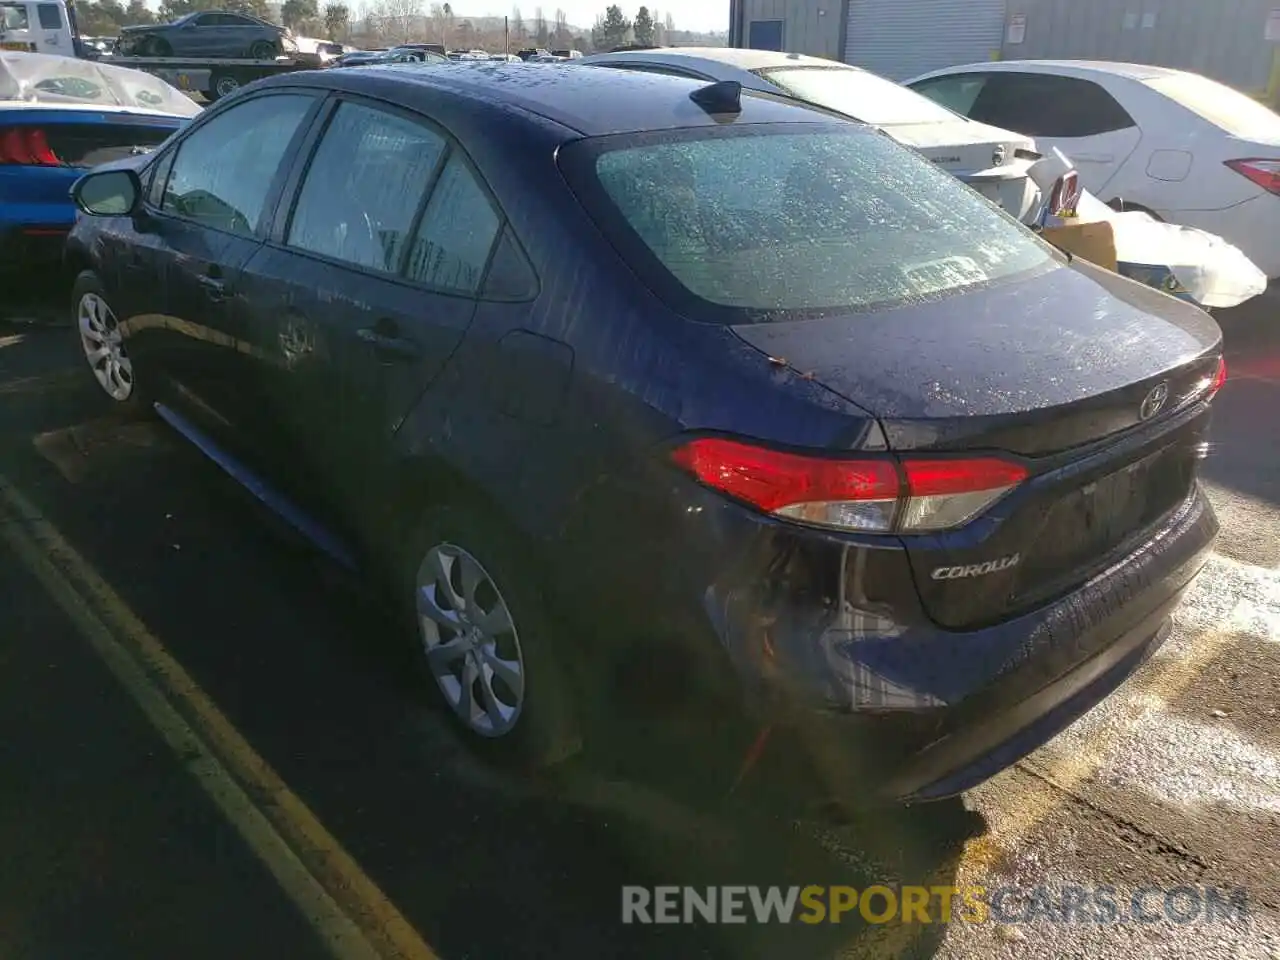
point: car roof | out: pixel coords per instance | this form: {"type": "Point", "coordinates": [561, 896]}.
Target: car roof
{"type": "Point", "coordinates": [1129, 71]}
{"type": "Point", "coordinates": [589, 102]}
{"type": "Point", "coordinates": [730, 56]}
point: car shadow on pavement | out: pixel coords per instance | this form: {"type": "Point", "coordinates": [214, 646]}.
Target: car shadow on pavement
{"type": "Point", "coordinates": [292, 659]}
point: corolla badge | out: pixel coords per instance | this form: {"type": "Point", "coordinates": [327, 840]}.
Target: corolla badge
{"type": "Point", "coordinates": [964, 571]}
{"type": "Point", "coordinates": [1154, 401]}
{"type": "Point", "coordinates": [998, 156]}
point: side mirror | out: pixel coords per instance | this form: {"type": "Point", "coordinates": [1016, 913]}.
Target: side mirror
{"type": "Point", "coordinates": [109, 193]}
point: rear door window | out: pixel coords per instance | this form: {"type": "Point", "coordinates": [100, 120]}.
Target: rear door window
{"type": "Point", "coordinates": [830, 217]}
{"type": "Point", "coordinates": [366, 183]}
{"type": "Point", "coordinates": [1046, 105]}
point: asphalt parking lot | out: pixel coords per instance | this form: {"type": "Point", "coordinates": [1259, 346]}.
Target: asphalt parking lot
{"type": "Point", "coordinates": [211, 749]}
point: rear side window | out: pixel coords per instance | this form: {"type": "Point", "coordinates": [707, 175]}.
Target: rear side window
{"type": "Point", "coordinates": [365, 183]}
{"type": "Point", "coordinates": [1044, 105]}
{"type": "Point", "coordinates": [457, 232]}
{"type": "Point", "coordinates": [1225, 108]}
{"type": "Point", "coordinates": [958, 93]}
{"type": "Point", "coordinates": [50, 16]}
{"type": "Point", "coordinates": [832, 218]}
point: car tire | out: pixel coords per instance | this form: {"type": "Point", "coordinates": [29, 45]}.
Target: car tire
{"type": "Point", "coordinates": [523, 717]}
{"type": "Point", "coordinates": [102, 346]}
{"type": "Point", "coordinates": [156, 47]}
{"type": "Point", "coordinates": [222, 85]}
{"type": "Point", "coordinates": [263, 50]}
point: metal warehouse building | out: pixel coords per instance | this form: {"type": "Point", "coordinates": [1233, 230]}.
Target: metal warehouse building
{"type": "Point", "coordinates": [1230, 40]}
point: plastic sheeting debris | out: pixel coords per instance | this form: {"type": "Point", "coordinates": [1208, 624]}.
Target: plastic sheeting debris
{"type": "Point", "coordinates": [1183, 261]}
{"type": "Point", "coordinates": [42, 78]}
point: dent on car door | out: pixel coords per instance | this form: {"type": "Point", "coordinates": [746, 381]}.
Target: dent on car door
{"type": "Point", "coordinates": [365, 291]}
{"type": "Point", "coordinates": [1076, 116]}
{"type": "Point", "coordinates": [209, 214]}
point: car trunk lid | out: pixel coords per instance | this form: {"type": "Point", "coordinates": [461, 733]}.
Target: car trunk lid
{"type": "Point", "coordinates": [1085, 378]}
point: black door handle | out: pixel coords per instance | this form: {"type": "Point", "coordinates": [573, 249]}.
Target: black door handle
{"type": "Point", "coordinates": [387, 344]}
{"type": "Point", "coordinates": [215, 289]}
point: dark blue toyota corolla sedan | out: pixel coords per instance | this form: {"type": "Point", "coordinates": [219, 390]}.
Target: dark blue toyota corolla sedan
{"type": "Point", "coordinates": [586, 367]}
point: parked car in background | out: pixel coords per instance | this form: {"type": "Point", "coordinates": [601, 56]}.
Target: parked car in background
{"type": "Point", "coordinates": [213, 33]}
{"type": "Point", "coordinates": [407, 53]}
{"type": "Point", "coordinates": [58, 117]}
{"type": "Point", "coordinates": [953, 518]}
{"type": "Point", "coordinates": [1178, 145]}
{"type": "Point", "coordinates": [321, 53]}
{"type": "Point", "coordinates": [992, 160]}
{"type": "Point", "coordinates": [354, 58]}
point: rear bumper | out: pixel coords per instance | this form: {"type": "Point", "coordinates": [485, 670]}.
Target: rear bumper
{"type": "Point", "coordinates": [36, 214]}
{"type": "Point", "coordinates": [927, 741]}
{"type": "Point", "coordinates": [31, 247]}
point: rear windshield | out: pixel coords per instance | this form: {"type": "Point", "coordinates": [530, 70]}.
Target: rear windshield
{"type": "Point", "coordinates": [834, 217]}
{"type": "Point", "coordinates": [1224, 107]}
{"type": "Point", "coordinates": [858, 94]}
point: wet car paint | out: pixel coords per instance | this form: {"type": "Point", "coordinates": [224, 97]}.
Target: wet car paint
{"type": "Point", "coordinates": [648, 560]}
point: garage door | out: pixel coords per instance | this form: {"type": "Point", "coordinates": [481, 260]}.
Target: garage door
{"type": "Point", "coordinates": [901, 39]}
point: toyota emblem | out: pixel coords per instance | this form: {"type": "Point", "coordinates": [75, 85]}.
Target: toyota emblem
{"type": "Point", "coordinates": [997, 157]}
{"type": "Point", "coordinates": [1154, 401]}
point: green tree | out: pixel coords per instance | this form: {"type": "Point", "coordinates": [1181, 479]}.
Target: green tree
{"type": "Point", "coordinates": [644, 27]}
{"type": "Point", "coordinates": [337, 20]}
{"type": "Point", "coordinates": [610, 30]}
{"type": "Point", "coordinates": [173, 9]}
{"type": "Point", "coordinates": [294, 12]}
{"type": "Point", "coordinates": [254, 8]}
{"type": "Point", "coordinates": [540, 37]}
{"type": "Point", "coordinates": [137, 13]}
{"type": "Point", "coordinates": [99, 19]}
{"type": "Point", "coordinates": [516, 25]}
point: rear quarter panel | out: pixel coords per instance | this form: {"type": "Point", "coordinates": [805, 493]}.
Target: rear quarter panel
{"type": "Point", "coordinates": [637, 374]}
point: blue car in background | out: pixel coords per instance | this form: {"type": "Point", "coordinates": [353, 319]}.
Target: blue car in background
{"type": "Point", "coordinates": [58, 117]}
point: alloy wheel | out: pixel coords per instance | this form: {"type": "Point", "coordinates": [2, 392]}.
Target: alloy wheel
{"type": "Point", "coordinates": [104, 347]}
{"type": "Point", "coordinates": [470, 640]}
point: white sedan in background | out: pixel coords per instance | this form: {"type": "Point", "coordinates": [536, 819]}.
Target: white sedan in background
{"type": "Point", "coordinates": [993, 161]}
{"type": "Point", "coordinates": [1180, 146]}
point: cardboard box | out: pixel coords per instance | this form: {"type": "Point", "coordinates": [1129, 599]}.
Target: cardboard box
{"type": "Point", "coordinates": [1094, 241]}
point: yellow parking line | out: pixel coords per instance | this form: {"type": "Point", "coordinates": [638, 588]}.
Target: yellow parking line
{"type": "Point", "coordinates": [1163, 679]}
{"type": "Point", "coordinates": [352, 916]}
{"type": "Point", "coordinates": [1024, 804]}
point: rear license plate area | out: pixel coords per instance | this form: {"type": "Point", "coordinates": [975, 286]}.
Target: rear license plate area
{"type": "Point", "coordinates": [1083, 528]}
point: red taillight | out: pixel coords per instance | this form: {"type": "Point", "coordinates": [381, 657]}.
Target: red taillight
{"type": "Point", "coordinates": [862, 494]}
{"type": "Point", "coordinates": [1066, 194]}
{"type": "Point", "coordinates": [1265, 173]}
{"type": "Point", "coordinates": [1220, 377]}
{"type": "Point", "coordinates": [27, 146]}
